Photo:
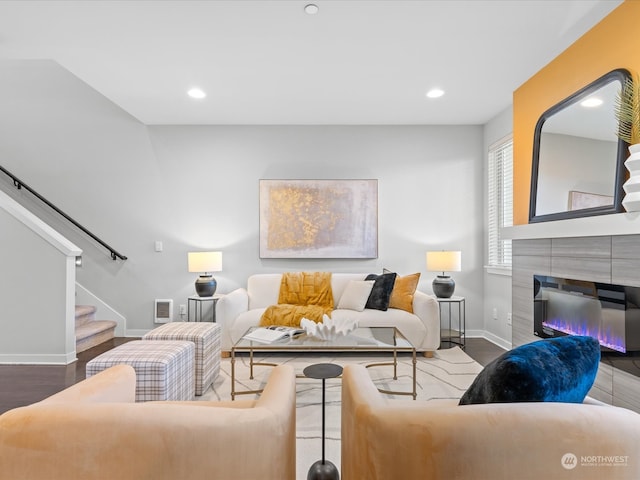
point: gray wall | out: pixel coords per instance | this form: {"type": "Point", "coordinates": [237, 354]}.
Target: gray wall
{"type": "Point", "coordinates": [560, 154]}
{"type": "Point", "coordinates": [37, 283]}
{"type": "Point", "coordinates": [196, 187]}
{"type": "Point", "coordinates": [497, 286]}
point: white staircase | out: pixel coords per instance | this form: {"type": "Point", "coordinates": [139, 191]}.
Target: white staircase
{"type": "Point", "coordinates": [89, 331]}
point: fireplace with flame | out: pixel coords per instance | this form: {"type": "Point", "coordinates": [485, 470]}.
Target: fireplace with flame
{"type": "Point", "coordinates": [610, 313]}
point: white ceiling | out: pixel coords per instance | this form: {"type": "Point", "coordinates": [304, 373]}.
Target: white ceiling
{"type": "Point", "coordinates": [267, 62]}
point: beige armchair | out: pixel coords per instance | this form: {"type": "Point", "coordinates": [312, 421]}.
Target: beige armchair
{"type": "Point", "coordinates": [387, 438]}
{"type": "Point", "coordinates": [94, 430]}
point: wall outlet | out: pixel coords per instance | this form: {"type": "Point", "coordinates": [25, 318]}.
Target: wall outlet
{"type": "Point", "coordinates": [495, 313]}
{"type": "Point", "coordinates": [183, 310]}
{"type": "Point", "coordinates": [509, 318]}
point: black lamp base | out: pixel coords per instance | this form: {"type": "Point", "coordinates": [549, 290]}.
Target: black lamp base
{"type": "Point", "coordinates": [323, 471]}
{"type": "Point", "coordinates": [443, 286]}
{"type": "Point", "coordinates": [206, 286]}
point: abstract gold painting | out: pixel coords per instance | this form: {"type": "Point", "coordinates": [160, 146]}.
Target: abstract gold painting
{"type": "Point", "coordinates": [318, 218]}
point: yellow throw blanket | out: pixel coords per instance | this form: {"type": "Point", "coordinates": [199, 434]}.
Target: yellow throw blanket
{"type": "Point", "coordinates": [302, 295]}
{"type": "Point", "coordinates": [290, 315]}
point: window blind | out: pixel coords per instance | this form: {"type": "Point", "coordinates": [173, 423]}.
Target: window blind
{"type": "Point", "coordinates": [500, 201]}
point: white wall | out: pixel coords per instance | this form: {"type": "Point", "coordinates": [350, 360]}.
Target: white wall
{"type": "Point", "coordinates": [36, 289]}
{"type": "Point", "coordinates": [428, 183]}
{"type": "Point", "coordinates": [196, 187]}
{"type": "Point", "coordinates": [573, 164]}
{"type": "Point", "coordinates": [92, 160]}
{"type": "Point", "coordinates": [497, 288]}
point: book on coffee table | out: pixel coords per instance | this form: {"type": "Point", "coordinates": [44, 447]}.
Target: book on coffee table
{"type": "Point", "coordinates": [272, 334]}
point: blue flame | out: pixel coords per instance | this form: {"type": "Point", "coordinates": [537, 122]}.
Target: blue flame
{"type": "Point", "coordinates": [606, 338]}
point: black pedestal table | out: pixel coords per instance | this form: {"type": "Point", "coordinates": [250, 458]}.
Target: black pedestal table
{"type": "Point", "coordinates": [323, 469]}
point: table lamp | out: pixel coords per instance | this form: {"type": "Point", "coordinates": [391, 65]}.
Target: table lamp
{"type": "Point", "coordinates": [443, 285]}
{"type": "Point", "coordinates": [203, 263]}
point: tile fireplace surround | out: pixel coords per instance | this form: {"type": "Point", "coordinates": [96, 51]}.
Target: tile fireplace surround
{"type": "Point", "coordinates": [606, 258]}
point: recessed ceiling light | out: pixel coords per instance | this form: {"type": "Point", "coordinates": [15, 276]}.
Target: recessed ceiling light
{"type": "Point", "coordinates": [196, 93]}
{"type": "Point", "coordinates": [435, 93]}
{"type": "Point", "coordinates": [591, 102]}
{"type": "Point", "coordinates": [311, 9]}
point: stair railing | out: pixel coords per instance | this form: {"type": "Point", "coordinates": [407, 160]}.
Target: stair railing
{"type": "Point", "coordinates": [19, 184]}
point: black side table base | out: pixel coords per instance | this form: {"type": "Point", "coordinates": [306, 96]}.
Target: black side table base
{"type": "Point", "coordinates": [323, 471]}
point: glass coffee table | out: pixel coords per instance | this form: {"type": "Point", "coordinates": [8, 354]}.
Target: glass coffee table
{"type": "Point", "coordinates": [363, 339]}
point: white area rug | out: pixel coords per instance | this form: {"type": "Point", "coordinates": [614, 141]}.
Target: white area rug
{"type": "Point", "coordinates": [447, 375]}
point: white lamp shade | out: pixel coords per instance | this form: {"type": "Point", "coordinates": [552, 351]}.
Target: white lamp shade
{"type": "Point", "coordinates": [444, 261]}
{"type": "Point", "coordinates": [205, 261]}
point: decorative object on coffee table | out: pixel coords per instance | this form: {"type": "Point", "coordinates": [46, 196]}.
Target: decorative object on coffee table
{"type": "Point", "coordinates": [323, 469]}
{"type": "Point", "coordinates": [328, 329]}
{"type": "Point", "coordinates": [444, 261]}
{"type": "Point", "coordinates": [203, 263]}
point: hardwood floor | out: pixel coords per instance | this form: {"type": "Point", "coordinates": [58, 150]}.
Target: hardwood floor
{"type": "Point", "coordinates": [482, 351]}
{"type": "Point", "coordinates": [26, 384]}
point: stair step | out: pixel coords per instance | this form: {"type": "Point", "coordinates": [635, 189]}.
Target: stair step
{"type": "Point", "coordinates": [94, 332]}
{"type": "Point", "coordinates": [89, 331]}
{"type": "Point", "coordinates": [84, 314]}
{"type": "Point", "coordinates": [82, 310]}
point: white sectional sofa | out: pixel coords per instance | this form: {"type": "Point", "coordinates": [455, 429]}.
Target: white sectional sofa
{"type": "Point", "coordinates": [242, 308]}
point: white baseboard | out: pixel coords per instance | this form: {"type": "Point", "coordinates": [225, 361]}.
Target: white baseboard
{"type": "Point", "coordinates": [36, 359]}
{"type": "Point", "coordinates": [137, 332]}
{"type": "Point", "coordinates": [501, 342]}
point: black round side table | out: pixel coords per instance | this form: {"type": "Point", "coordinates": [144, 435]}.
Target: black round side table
{"type": "Point", "coordinates": [323, 469]}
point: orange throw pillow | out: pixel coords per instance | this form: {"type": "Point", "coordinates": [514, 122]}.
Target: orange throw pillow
{"type": "Point", "coordinates": [403, 291]}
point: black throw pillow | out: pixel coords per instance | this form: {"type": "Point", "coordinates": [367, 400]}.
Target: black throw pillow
{"type": "Point", "coordinates": [560, 369]}
{"type": "Point", "coordinates": [381, 291]}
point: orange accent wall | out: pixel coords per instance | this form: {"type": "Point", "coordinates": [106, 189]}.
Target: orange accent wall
{"type": "Point", "coordinates": [612, 43]}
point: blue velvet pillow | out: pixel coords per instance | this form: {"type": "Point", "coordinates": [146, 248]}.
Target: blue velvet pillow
{"type": "Point", "coordinates": [560, 369]}
{"type": "Point", "coordinates": [381, 291]}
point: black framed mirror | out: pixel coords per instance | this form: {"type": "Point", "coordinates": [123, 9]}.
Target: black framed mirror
{"type": "Point", "coordinates": [578, 161]}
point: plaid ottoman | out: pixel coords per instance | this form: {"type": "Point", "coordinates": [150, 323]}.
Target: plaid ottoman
{"type": "Point", "coordinates": [206, 337]}
{"type": "Point", "coordinates": [164, 370]}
